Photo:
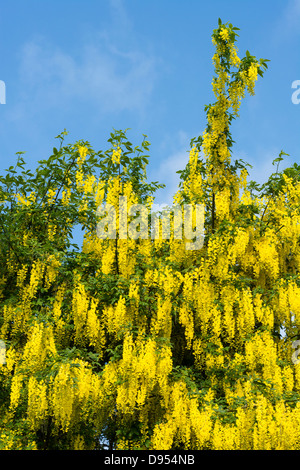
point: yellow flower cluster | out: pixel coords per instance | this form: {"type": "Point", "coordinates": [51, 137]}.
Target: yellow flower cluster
{"type": "Point", "coordinates": [66, 194]}
{"type": "Point", "coordinates": [185, 422]}
{"type": "Point", "coordinates": [25, 201]}
{"type": "Point", "coordinates": [37, 402]}
{"type": "Point", "coordinates": [116, 155]}
{"type": "Point", "coordinates": [224, 34]}
{"type": "Point", "coordinates": [53, 264]}
{"type": "Point", "coordinates": [51, 195]}
{"type": "Point", "coordinates": [143, 367]}
{"type": "Point", "coordinates": [223, 203]}
{"type": "Point", "coordinates": [268, 256]}
{"type": "Point", "coordinates": [116, 317]}
{"type": "Point", "coordinates": [249, 77]}
{"type": "Point", "coordinates": [83, 151]}
{"type": "Point", "coordinates": [192, 186]}
{"type": "Point", "coordinates": [236, 92]}
{"type": "Point", "coordinates": [39, 346]}
{"type": "Point", "coordinates": [72, 393]}
{"type": "Point", "coordinates": [86, 321]}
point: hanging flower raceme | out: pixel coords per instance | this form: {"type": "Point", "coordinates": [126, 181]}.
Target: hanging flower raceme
{"type": "Point", "coordinates": [116, 155]}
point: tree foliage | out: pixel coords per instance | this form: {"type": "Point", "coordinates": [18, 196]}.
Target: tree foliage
{"type": "Point", "coordinates": [141, 343]}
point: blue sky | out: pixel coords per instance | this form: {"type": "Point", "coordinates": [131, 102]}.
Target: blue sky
{"type": "Point", "coordinates": [94, 65]}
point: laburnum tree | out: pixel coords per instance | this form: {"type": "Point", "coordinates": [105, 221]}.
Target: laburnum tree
{"type": "Point", "coordinates": [139, 343]}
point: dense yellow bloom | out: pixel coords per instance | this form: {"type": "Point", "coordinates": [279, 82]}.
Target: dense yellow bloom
{"type": "Point", "coordinates": [79, 180]}
{"type": "Point", "coordinates": [116, 317]}
{"type": "Point", "coordinates": [26, 201]}
{"type": "Point", "coordinates": [252, 74]}
{"type": "Point", "coordinates": [73, 389]}
{"type": "Point", "coordinates": [224, 34]}
{"type": "Point", "coordinates": [108, 259]}
{"type": "Point", "coordinates": [51, 231]}
{"type": "Point", "coordinates": [37, 402]}
{"type": "Point", "coordinates": [246, 319]}
{"type": "Point", "coordinates": [83, 151]}
{"type": "Point", "coordinates": [87, 324]}
{"type": "Point", "coordinates": [239, 247]}
{"type": "Point", "coordinates": [223, 203]}
{"type": "Point", "coordinates": [51, 270]}
{"type": "Point", "coordinates": [89, 184]}
{"type": "Point", "coordinates": [162, 321]}
{"type": "Point", "coordinates": [234, 59]}
{"type": "Point", "coordinates": [268, 255]}
{"type": "Point", "coordinates": [36, 274]}
{"type": "Point", "coordinates": [185, 422]}
{"type": "Point", "coordinates": [39, 345]}
{"type": "Point", "coordinates": [192, 186]}
{"type": "Point", "coordinates": [51, 195]}
{"type": "Point", "coordinates": [63, 396]}
{"type": "Point", "coordinates": [187, 320]}
{"type": "Point", "coordinates": [116, 155]}
{"type": "Point", "coordinates": [224, 436]}
{"type": "Point", "coordinates": [16, 386]}
{"type": "Point", "coordinates": [236, 93]}
{"type": "Point", "coordinates": [66, 195]}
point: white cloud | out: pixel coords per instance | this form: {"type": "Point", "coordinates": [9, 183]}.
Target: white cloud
{"type": "Point", "coordinates": [166, 173]}
{"type": "Point", "coordinates": [112, 80]}
{"type": "Point", "coordinates": [177, 156]}
{"type": "Point", "coordinates": [111, 70]}
{"type": "Point", "coordinates": [292, 15]}
{"type": "Point", "coordinates": [119, 15]}
{"type": "Point", "coordinates": [262, 165]}
{"type": "Point", "coordinates": [287, 25]}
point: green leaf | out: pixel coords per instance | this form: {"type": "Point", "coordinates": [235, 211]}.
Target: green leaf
{"type": "Point", "coordinates": [277, 160]}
